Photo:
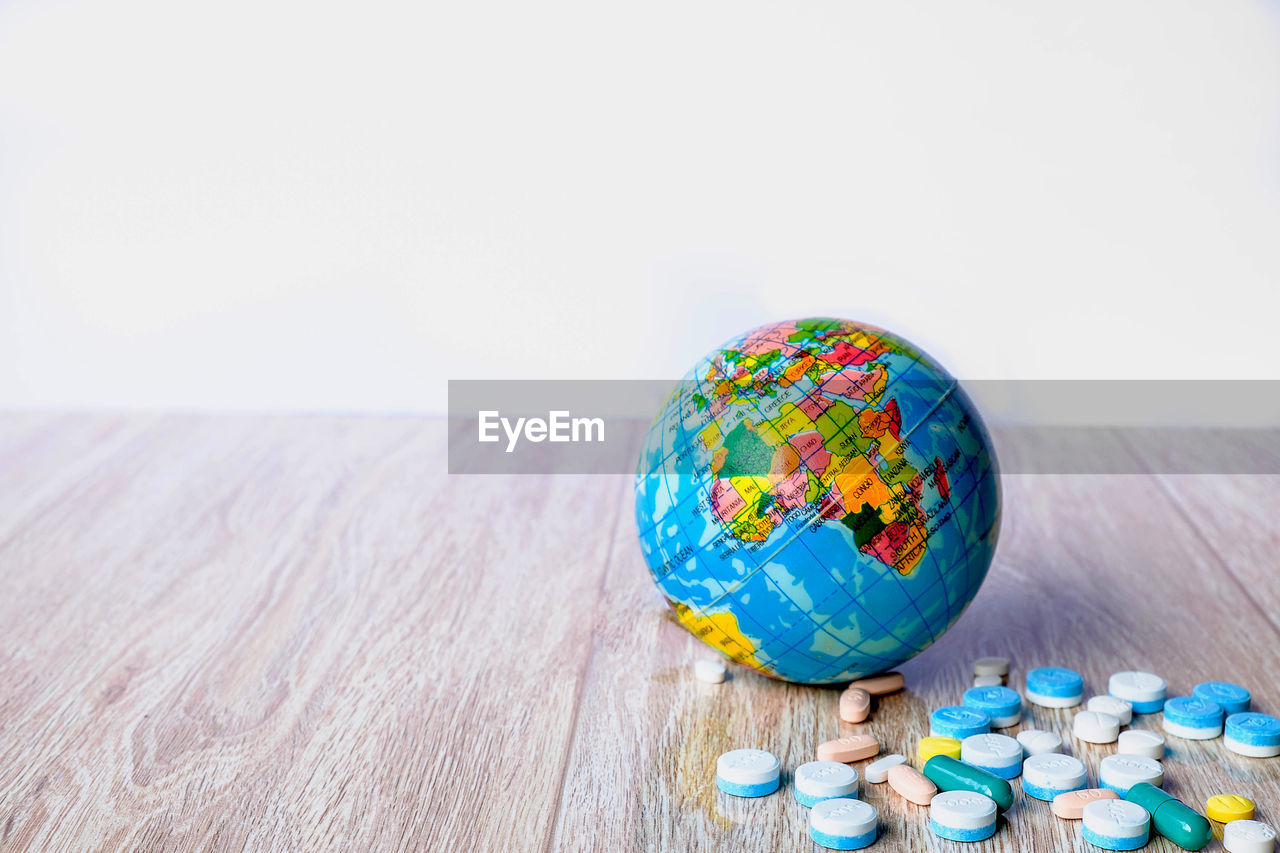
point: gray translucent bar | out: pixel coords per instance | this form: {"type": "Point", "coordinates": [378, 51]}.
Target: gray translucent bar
{"type": "Point", "coordinates": [1037, 426]}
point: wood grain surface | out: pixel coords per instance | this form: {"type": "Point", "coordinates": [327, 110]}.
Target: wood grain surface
{"type": "Point", "coordinates": [299, 633]}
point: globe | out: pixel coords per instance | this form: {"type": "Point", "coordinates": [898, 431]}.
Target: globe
{"type": "Point", "coordinates": [818, 500]}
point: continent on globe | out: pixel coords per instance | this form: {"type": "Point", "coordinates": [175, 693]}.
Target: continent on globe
{"type": "Point", "coordinates": [818, 500]}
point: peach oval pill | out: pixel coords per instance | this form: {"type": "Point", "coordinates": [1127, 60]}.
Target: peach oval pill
{"type": "Point", "coordinates": [850, 748]}
{"type": "Point", "coordinates": [1070, 805]}
{"type": "Point", "coordinates": [878, 685]}
{"type": "Point", "coordinates": [855, 705]}
{"type": "Point", "coordinates": [912, 785]}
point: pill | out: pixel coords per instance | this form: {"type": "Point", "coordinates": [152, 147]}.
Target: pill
{"type": "Point", "coordinates": [991, 666]}
{"type": "Point", "coordinates": [1070, 805]}
{"type": "Point", "coordinates": [962, 816]}
{"type": "Point", "coordinates": [1121, 709]}
{"type": "Point", "coordinates": [1253, 735]}
{"type": "Point", "coordinates": [1225, 808]}
{"type": "Point", "coordinates": [1038, 742]}
{"type": "Point", "coordinates": [1141, 742]}
{"type": "Point", "coordinates": [1055, 687]}
{"type": "Point", "coordinates": [849, 748]}
{"type": "Point", "coordinates": [910, 784]}
{"type": "Point", "coordinates": [855, 705]}
{"type": "Point", "coordinates": [951, 775]}
{"type": "Point", "coordinates": [931, 746]}
{"type": "Point", "coordinates": [1095, 727]}
{"type": "Point", "coordinates": [1233, 698]}
{"type": "Point", "coordinates": [878, 685]}
{"type": "Point", "coordinates": [1145, 691]}
{"type": "Point", "coordinates": [823, 780]}
{"type": "Point", "coordinates": [843, 824]}
{"type": "Point", "coordinates": [1191, 718]}
{"type": "Point", "coordinates": [1047, 775]}
{"type": "Point", "coordinates": [748, 772]}
{"type": "Point", "coordinates": [1120, 772]}
{"type": "Point", "coordinates": [710, 671]}
{"type": "Point", "coordinates": [987, 680]}
{"type": "Point", "coordinates": [998, 754]}
{"type": "Point", "coordinates": [1115, 824]}
{"type": "Point", "coordinates": [1248, 836]}
{"type": "Point", "coordinates": [878, 770]}
{"type": "Point", "coordinates": [1171, 817]}
{"type": "Point", "coordinates": [958, 722]}
{"type": "Point", "coordinates": [1002, 705]}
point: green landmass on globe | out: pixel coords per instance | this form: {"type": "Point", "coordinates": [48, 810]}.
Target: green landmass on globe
{"type": "Point", "coordinates": [818, 500]}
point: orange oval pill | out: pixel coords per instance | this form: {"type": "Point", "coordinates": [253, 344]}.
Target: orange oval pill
{"type": "Point", "coordinates": [912, 785]}
{"type": "Point", "coordinates": [878, 685]}
{"type": "Point", "coordinates": [851, 748]}
{"type": "Point", "coordinates": [1070, 805]}
{"type": "Point", "coordinates": [855, 705]}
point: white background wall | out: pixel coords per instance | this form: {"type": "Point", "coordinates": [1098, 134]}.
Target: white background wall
{"type": "Point", "coordinates": [304, 205]}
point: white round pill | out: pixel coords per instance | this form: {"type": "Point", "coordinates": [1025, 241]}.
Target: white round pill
{"type": "Point", "coordinates": [710, 671]}
{"type": "Point", "coordinates": [1116, 819]}
{"type": "Point", "coordinates": [1120, 772]}
{"type": "Point", "coordinates": [1141, 742]}
{"type": "Point", "coordinates": [987, 681]}
{"type": "Point", "coordinates": [1137, 686]}
{"type": "Point", "coordinates": [748, 767]}
{"type": "Point", "coordinates": [826, 779]}
{"type": "Point", "coordinates": [878, 770]}
{"type": "Point", "coordinates": [1037, 742]}
{"type": "Point", "coordinates": [963, 810]}
{"type": "Point", "coordinates": [843, 817]}
{"type": "Point", "coordinates": [1121, 709]}
{"type": "Point", "coordinates": [1248, 836]}
{"type": "Point", "coordinates": [1096, 727]}
{"type": "Point", "coordinates": [991, 666]}
{"type": "Point", "coordinates": [1054, 771]}
{"type": "Point", "coordinates": [990, 750]}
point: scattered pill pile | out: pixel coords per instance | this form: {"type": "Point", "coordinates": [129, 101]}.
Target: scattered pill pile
{"type": "Point", "coordinates": [965, 769]}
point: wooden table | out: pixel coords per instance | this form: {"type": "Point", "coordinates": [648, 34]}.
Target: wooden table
{"type": "Point", "coordinates": [299, 633]}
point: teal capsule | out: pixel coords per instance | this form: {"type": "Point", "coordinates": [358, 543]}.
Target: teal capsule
{"type": "Point", "coordinates": [1172, 818]}
{"type": "Point", "coordinates": [952, 775]}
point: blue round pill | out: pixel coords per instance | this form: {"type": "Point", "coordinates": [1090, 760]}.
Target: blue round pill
{"type": "Point", "coordinates": [996, 701]}
{"type": "Point", "coordinates": [1057, 681]}
{"type": "Point", "coordinates": [1254, 729]}
{"type": "Point", "coordinates": [959, 722]}
{"type": "Point", "coordinates": [1233, 698]}
{"type": "Point", "coordinates": [1192, 712]}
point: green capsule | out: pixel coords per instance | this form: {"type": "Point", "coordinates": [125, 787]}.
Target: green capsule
{"type": "Point", "coordinates": [952, 775]}
{"type": "Point", "coordinates": [1172, 818]}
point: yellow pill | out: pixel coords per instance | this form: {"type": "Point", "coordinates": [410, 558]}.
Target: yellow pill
{"type": "Point", "coordinates": [934, 745]}
{"type": "Point", "coordinates": [1225, 808]}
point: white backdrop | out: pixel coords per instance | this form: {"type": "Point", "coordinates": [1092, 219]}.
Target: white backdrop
{"type": "Point", "coordinates": [302, 205]}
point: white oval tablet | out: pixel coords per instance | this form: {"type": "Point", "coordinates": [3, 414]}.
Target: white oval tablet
{"type": "Point", "coordinates": [710, 671]}
{"type": "Point", "coordinates": [1121, 709]}
{"type": "Point", "coordinates": [963, 809]}
{"type": "Point", "coordinates": [1141, 742]}
{"type": "Point", "coordinates": [826, 779]}
{"type": "Point", "coordinates": [1248, 836]}
{"type": "Point", "coordinates": [1122, 771]}
{"type": "Point", "coordinates": [1116, 819]}
{"type": "Point", "coordinates": [843, 817]}
{"type": "Point", "coordinates": [1037, 742]}
{"type": "Point", "coordinates": [878, 770]}
{"type": "Point", "coordinates": [748, 766]}
{"type": "Point", "coordinates": [1096, 727]}
{"type": "Point", "coordinates": [990, 750]}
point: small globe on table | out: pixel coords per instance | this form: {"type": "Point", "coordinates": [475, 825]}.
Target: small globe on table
{"type": "Point", "coordinates": [818, 500]}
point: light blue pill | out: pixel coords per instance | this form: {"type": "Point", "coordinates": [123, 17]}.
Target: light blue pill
{"type": "Point", "coordinates": [1109, 842]}
{"type": "Point", "coordinates": [1233, 698]}
{"type": "Point", "coordinates": [996, 701]}
{"type": "Point", "coordinates": [1055, 681]}
{"type": "Point", "coordinates": [959, 722]}
{"type": "Point", "coordinates": [1192, 712]}
{"type": "Point", "coordinates": [1254, 729]}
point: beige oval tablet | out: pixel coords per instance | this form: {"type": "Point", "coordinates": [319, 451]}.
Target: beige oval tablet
{"type": "Point", "coordinates": [851, 748]}
{"type": "Point", "coordinates": [855, 705]}
{"type": "Point", "coordinates": [1070, 806]}
{"type": "Point", "coordinates": [912, 785]}
{"type": "Point", "coordinates": [878, 685]}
